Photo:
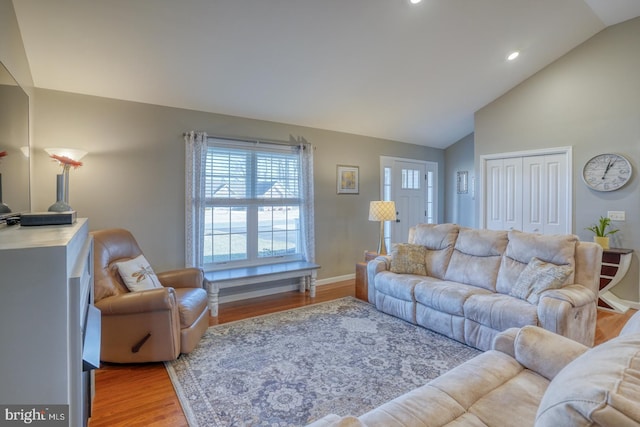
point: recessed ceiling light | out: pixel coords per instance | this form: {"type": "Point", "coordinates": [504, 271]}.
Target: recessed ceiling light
{"type": "Point", "coordinates": [513, 55]}
{"type": "Point", "coordinates": [415, 1]}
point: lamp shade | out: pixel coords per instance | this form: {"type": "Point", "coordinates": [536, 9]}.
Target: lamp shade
{"type": "Point", "coordinates": [382, 211]}
{"type": "Point", "coordinates": [70, 153]}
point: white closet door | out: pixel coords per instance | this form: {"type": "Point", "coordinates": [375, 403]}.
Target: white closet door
{"type": "Point", "coordinates": [545, 194]}
{"type": "Point", "coordinates": [504, 195]}
{"type": "Point", "coordinates": [512, 194]}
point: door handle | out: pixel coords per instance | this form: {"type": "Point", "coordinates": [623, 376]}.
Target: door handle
{"type": "Point", "coordinates": [397, 213]}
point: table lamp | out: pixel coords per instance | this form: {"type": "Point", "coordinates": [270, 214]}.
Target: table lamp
{"type": "Point", "coordinates": [382, 211]}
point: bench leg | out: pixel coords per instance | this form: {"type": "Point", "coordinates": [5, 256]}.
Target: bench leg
{"type": "Point", "coordinates": [303, 284]}
{"type": "Point", "coordinates": [212, 292]}
{"type": "Point", "coordinates": [312, 286]}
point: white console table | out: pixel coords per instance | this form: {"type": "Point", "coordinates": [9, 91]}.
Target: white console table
{"type": "Point", "coordinates": [45, 310]}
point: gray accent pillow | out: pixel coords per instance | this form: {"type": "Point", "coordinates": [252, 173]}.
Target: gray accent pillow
{"type": "Point", "coordinates": [407, 258]}
{"type": "Point", "coordinates": [537, 277]}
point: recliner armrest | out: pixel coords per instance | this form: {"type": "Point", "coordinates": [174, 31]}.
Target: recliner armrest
{"type": "Point", "coordinates": [505, 341]}
{"type": "Point", "coordinates": [182, 278]}
{"type": "Point", "coordinates": [138, 302]}
{"type": "Point", "coordinates": [545, 352]}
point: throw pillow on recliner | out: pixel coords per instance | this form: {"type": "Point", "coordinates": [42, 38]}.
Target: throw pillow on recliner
{"type": "Point", "coordinates": [407, 258]}
{"type": "Point", "coordinates": [137, 274]}
{"type": "Point", "coordinates": [537, 277]}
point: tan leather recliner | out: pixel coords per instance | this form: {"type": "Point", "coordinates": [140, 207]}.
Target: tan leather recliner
{"type": "Point", "coordinates": [146, 326]}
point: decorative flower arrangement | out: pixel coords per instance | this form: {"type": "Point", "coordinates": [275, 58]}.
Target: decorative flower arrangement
{"type": "Point", "coordinates": [66, 162]}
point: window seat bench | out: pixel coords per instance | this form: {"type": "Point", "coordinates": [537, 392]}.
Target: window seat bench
{"type": "Point", "coordinates": [229, 278]}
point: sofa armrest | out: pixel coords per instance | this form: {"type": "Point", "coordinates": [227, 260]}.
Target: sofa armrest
{"type": "Point", "coordinates": [375, 266]}
{"type": "Point", "coordinates": [545, 352]}
{"type": "Point", "coordinates": [505, 341]}
{"type": "Point", "coordinates": [575, 295]}
{"type": "Point", "coordinates": [569, 311]}
{"type": "Point", "coordinates": [138, 302]}
{"type": "Point", "coordinates": [182, 278]}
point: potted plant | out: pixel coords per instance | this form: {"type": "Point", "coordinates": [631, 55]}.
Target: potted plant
{"type": "Point", "coordinates": [601, 233]}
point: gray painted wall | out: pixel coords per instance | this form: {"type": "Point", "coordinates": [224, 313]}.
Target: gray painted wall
{"type": "Point", "coordinates": [588, 99]}
{"type": "Point", "coordinates": [133, 176]}
{"type": "Point", "coordinates": [460, 208]}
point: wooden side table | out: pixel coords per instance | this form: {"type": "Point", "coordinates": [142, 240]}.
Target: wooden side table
{"type": "Point", "coordinates": [362, 290]}
{"type": "Point", "coordinates": [615, 264]}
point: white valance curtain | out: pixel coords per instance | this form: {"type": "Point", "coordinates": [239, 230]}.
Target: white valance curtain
{"type": "Point", "coordinates": [196, 144]}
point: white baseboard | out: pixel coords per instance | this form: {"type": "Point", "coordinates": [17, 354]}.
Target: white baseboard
{"type": "Point", "coordinates": [335, 279]}
{"type": "Point", "coordinates": [238, 296]}
{"type": "Point", "coordinates": [631, 304]}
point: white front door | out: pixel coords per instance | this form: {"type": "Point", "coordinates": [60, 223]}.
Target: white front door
{"type": "Point", "coordinates": [412, 185]}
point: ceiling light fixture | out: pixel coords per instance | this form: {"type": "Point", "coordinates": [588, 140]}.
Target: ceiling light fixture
{"type": "Point", "coordinates": [513, 55]}
{"type": "Point", "coordinates": [414, 1]}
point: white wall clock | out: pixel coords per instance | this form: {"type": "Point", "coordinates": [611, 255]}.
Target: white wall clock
{"type": "Point", "coordinates": [607, 172]}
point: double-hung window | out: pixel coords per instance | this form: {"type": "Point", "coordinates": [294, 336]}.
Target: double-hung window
{"type": "Point", "coordinates": [253, 207]}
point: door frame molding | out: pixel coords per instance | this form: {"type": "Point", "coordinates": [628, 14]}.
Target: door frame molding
{"type": "Point", "coordinates": [484, 158]}
{"type": "Point", "coordinates": [388, 161]}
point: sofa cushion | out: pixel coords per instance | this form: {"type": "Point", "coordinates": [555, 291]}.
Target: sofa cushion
{"type": "Point", "coordinates": [439, 240]}
{"type": "Point", "coordinates": [445, 296]}
{"type": "Point", "coordinates": [600, 387]}
{"type": "Point", "coordinates": [556, 249]}
{"type": "Point", "coordinates": [407, 258]}
{"type": "Point", "coordinates": [476, 257]}
{"type": "Point", "coordinates": [398, 285]}
{"type": "Point", "coordinates": [499, 311]}
{"type": "Point", "coordinates": [513, 403]}
{"type": "Point", "coordinates": [539, 276]}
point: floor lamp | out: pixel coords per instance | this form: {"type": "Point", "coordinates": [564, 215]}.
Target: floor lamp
{"type": "Point", "coordinates": [382, 211]}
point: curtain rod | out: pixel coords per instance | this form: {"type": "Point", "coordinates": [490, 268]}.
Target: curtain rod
{"type": "Point", "coordinates": [255, 141]}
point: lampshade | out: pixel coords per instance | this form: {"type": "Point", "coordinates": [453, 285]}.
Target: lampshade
{"type": "Point", "coordinates": [71, 153]}
{"type": "Point", "coordinates": [382, 211]}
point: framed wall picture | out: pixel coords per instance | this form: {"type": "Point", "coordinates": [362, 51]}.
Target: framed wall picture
{"type": "Point", "coordinates": [347, 179]}
{"type": "Point", "coordinates": [463, 182]}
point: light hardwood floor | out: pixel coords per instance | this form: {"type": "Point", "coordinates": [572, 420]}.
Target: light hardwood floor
{"type": "Point", "coordinates": [142, 394]}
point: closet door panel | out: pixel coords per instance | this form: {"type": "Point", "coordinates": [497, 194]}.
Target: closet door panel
{"type": "Point", "coordinates": [512, 194]}
{"type": "Point", "coordinates": [494, 185]}
{"type": "Point", "coordinates": [556, 197]}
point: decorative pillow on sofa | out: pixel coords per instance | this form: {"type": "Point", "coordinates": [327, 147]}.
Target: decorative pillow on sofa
{"type": "Point", "coordinates": [407, 258]}
{"type": "Point", "coordinates": [538, 276]}
{"type": "Point", "coordinates": [600, 387]}
{"type": "Point", "coordinates": [137, 274]}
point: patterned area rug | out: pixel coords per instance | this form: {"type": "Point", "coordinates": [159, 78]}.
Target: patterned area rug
{"type": "Point", "coordinates": [291, 368]}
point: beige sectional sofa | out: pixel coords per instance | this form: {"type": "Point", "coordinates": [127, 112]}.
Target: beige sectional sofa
{"type": "Point", "coordinates": [530, 377]}
{"type": "Point", "coordinates": [471, 284]}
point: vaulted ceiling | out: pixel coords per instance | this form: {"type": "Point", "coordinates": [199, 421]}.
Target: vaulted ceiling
{"type": "Point", "coordinates": [382, 68]}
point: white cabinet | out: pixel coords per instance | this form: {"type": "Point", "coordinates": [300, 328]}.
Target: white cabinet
{"type": "Point", "coordinates": [527, 192]}
{"type": "Point", "coordinates": [46, 274]}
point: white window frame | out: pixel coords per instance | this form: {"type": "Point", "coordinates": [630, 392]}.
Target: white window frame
{"type": "Point", "coordinates": [252, 205]}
